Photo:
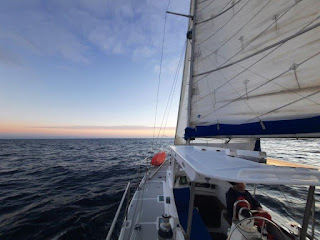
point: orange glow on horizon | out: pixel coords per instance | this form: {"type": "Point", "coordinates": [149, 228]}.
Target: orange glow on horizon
{"type": "Point", "coordinates": [15, 130]}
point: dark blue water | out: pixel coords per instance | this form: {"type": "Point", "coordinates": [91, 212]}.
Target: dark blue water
{"type": "Point", "coordinates": [70, 189]}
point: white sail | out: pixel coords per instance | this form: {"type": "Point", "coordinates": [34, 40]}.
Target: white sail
{"type": "Point", "coordinates": [182, 122]}
{"type": "Point", "coordinates": [255, 61]}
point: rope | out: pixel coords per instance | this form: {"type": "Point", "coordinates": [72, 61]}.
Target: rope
{"type": "Point", "coordinates": [160, 70]}
{"type": "Point", "coordinates": [294, 213]}
{"type": "Point", "coordinates": [241, 28]}
{"type": "Point", "coordinates": [302, 30]}
{"type": "Point", "coordinates": [262, 50]}
{"type": "Point", "coordinates": [171, 94]}
{"type": "Point", "coordinates": [225, 23]}
{"type": "Point", "coordinates": [238, 94]}
{"type": "Point", "coordinates": [207, 5]}
{"type": "Point", "coordinates": [260, 87]}
{"type": "Point", "coordinates": [241, 97]}
{"type": "Point", "coordinates": [219, 14]}
{"type": "Point", "coordinates": [246, 45]}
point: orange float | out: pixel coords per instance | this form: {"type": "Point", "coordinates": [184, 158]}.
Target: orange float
{"type": "Point", "coordinates": [158, 159]}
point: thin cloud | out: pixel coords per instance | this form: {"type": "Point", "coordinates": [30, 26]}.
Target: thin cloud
{"type": "Point", "coordinates": [7, 57]}
{"type": "Point", "coordinates": [133, 127]}
{"type": "Point", "coordinates": [73, 29]}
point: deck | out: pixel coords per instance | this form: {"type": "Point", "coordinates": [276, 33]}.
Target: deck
{"type": "Point", "coordinates": [147, 207]}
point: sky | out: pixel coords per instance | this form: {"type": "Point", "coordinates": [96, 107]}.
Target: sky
{"type": "Point", "coordinates": [79, 68]}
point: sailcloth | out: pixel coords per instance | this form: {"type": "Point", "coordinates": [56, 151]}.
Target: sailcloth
{"type": "Point", "coordinates": [256, 69]}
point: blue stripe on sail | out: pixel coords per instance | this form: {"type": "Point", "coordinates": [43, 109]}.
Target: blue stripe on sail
{"type": "Point", "coordinates": [282, 127]}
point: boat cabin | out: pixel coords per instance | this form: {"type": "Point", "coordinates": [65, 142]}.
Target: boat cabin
{"type": "Point", "coordinates": [200, 178]}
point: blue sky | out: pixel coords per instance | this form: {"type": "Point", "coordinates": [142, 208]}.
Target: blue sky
{"type": "Point", "coordinates": [86, 65]}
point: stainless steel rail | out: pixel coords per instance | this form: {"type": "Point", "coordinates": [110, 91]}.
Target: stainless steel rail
{"type": "Point", "coordinates": [117, 213]}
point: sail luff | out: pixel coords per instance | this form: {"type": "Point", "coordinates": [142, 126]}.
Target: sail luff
{"type": "Point", "coordinates": [179, 135]}
{"type": "Point", "coordinates": [194, 14]}
{"type": "Point", "coordinates": [182, 120]}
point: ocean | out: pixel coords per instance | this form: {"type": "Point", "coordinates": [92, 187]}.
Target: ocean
{"type": "Point", "coordinates": [70, 188]}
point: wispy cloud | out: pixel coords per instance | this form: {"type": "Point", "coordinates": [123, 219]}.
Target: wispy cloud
{"type": "Point", "coordinates": [72, 30]}
{"type": "Point", "coordinates": [7, 57]}
{"type": "Point", "coordinates": [133, 127]}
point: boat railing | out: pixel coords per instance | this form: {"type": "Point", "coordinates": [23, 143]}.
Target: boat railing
{"type": "Point", "coordinates": [115, 219]}
{"type": "Point", "coordinates": [235, 205]}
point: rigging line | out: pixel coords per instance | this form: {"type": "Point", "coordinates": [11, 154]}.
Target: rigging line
{"type": "Point", "coordinates": [236, 99]}
{"type": "Point", "coordinates": [171, 94]}
{"type": "Point", "coordinates": [225, 23]}
{"type": "Point", "coordinates": [159, 78]}
{"type": "Point", "coordinates": [219, 14]}
{"type": "Point", "coordinates": [220, 9]}
{"type": "Point", "coordinates": [262, 50]}
{"type": "Point", "coordinates": [288, 104]}
{"type": "Point", "coordinates": [263, 193]}
{"type": "Point", "coordinates": [203, 1]}
{"type": "Point", "coordinates": [285, 88]}
{"type": "Point", "coordinates": [242, 27]}
{"type": "Point", "coordinates": [207, 5]}
{"type": "Point", "coordinates": [237, 93]}
{"type": "Point", "coordinates": [247, 44]}
{"type": "Point", "coordinates": [302, 97]}
{"type": "Point", "coordinates": [171, 91]}
{"type": "Point", "coordinates": [294, 213]}
{"type": "Point", "coordinates": [178, 71]}
{"type": "Point", "coordinates": [244, 71]}
{"type": "Point", "coordinates": [254, 62]}
{"type": "Point", "coordinates": [213, 103]}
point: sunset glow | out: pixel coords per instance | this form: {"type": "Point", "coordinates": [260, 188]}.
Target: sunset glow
{"type": "Point", "coordinates": [89, 68]}
{"type": "Point", "coordinates": [15, 131]}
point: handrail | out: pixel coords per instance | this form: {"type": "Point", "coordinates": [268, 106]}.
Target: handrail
{"type": "Point", "coordinates": [117, 213]}
{"type": "Point", "coordinates": [152, 174]}
{"type": "Point", "coordinates": [235, 207]}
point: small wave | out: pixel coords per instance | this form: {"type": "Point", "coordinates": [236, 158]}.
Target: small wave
{"type": "Point", "coordinates": [70, 189]}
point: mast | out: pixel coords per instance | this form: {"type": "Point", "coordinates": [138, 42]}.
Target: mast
{"type": "Point", "coordinates": [194, 14]}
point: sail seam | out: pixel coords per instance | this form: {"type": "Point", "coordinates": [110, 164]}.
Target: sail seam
{"type": "Point", "coordinates": [237, 93]}
{"type": "Point", "coordinates": [262, 50]}
{"type": "Point", "coordinates": [225, 23]}
{"type": "Point", "coordinates": [210, 4]}
{"type": "Point", "coordinates": [246, 45]}
{"type": "Point", "coordinates": [219, 14]}
{"type": "Point", "coordinates": [258, 87]}
{"type": "Point", "coordinates": [285, 88]}
{"type": "Point", "coordinates": [215, 51]}
{"type": "Point", "coordinates": [288, 104]}
{"type": "Point", "coordinates": [213, 103]}
{"type": "Point", "coordinates": [252, 64]}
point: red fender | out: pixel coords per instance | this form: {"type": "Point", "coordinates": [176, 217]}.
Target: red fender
{"type": "Point", "coordinates": [158, 159]}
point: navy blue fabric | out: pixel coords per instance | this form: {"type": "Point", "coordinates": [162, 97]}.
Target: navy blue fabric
{"type": "Point", "coordinates": [283, 127]}
{"type": "Point", "coordinates": [182, 198]}
{"type": "Point", "coordinates": [198, 228]}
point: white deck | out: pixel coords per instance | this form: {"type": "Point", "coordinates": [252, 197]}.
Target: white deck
{"type": "Point", "coordinates": [146, 207]}
{"type": "Point", "coordinates": [202, 164]}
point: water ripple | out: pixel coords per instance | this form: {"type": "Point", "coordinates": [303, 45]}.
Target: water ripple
{"type": "Point", "coordinates": [70, 189]}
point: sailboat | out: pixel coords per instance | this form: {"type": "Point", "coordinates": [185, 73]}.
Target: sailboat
{"type": "Point", "coordinates": [251, 71]}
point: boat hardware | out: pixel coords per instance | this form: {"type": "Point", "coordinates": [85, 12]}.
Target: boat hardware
{"type": "Point", "coordinates": [117, 213]}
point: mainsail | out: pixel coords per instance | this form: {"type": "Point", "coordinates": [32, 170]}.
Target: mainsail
{"type": "Point", "coordinates": [255, 69]}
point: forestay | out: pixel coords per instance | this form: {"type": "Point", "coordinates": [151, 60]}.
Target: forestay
{"type": "Point", "coordinates": [255, 69]}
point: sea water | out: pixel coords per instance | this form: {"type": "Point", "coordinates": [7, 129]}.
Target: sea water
{"type": "Point", "coordinates": [71, 188]}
